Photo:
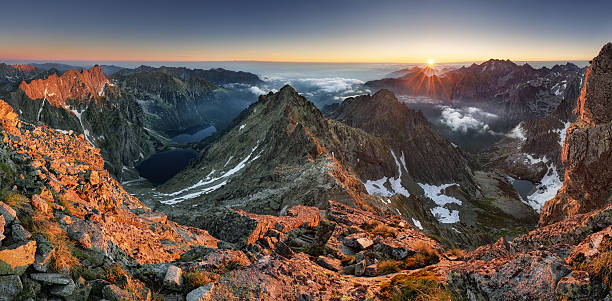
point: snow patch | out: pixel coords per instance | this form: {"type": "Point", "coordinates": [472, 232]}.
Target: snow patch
{"type": "Point", "coordinates": [546, 190]}
{"type": "Point", "coordinates": [417, 224]}
{"type": "Point", "coordinates": [197, 190]}
{"type": "Point", "coordinates": [376, 187]}
{"type": "Point", "coordinates": [531, 160]}
{"type": "Point", "coordinates": [441, 213]}
{"type": "Point", "coordinates": [563, 132]}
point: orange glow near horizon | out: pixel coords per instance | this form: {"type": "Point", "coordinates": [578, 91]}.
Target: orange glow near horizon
{"type": "Point", "coordinates": [189, 54]}
{"type": "Point", "coordinates": [94, 52]}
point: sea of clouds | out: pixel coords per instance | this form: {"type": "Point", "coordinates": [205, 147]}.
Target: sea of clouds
{"type": "Point", "coordinates": [322, 91]}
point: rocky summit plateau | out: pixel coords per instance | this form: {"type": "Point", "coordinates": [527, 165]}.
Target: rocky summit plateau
{"type": "Point", "coordinates": [183, 183]}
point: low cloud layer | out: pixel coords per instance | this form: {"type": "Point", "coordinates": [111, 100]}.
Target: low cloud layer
{"type": "Point", "coordinates": [331, 84]}
{"type": "Point", "coordinates": [464, 120]}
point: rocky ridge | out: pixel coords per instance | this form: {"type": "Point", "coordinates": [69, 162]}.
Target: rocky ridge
{"type": "Point", "coordinates": [218, 76]}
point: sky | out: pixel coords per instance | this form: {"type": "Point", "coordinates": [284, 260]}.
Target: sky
{"type": "Point", "coordinates": [406, 31]}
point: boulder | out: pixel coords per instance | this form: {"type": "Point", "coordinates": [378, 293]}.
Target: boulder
{"type": "Point", "coordinates": [370, 270]}
{"type": "Point", "coordinates": [329, 263]}
{"type": "Point", "coordinates": [174, 278]}
{"type": "Point", "coordinates": [349, 269]}
{"type": "Point", "coordinates": [153, 273]}
{"type": "Point", "coordinates": [63, 290]}
{"type": "Point", "coordinates": [51, 278]}
{"type": "Point", "coordinates": [16, 258]}
{"type": "Point", "coordinates": [283, 250]}
{"type": "Point", "coordinates": [19, 233]}
{"type": "Point", "coordinates": [8, 213]}
{"type": "Point", "coordinates": [358, 241]}
{"type": "Point", "coordinates": [114, 293]}
{"type": "Point", "coordinates": [44, 249]}
{"type": "Point", "coordinates": [576, 285]}
{"type": "Point", "coordinates": [392, 249]}
{"type": "Point", "coordinates": [10, 287]}
{"type": "Point", "coordinates": [202, 293]}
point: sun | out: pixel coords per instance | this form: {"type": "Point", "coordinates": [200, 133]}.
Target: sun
{"type": "Point", "coordinates": [430, 62]}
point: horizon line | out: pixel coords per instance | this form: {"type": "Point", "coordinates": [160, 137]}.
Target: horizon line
{"type": "Point", "coordinates": [282, 61]}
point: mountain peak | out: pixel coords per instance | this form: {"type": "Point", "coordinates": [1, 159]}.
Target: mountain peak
{"type": "Point", "coordinates": [72, 85]}
{"type": "Point", "coordinates": [24, 68]}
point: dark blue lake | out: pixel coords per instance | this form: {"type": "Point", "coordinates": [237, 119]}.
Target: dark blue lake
{"type": "Point", "coordinates": [197, 136]}
{"type": "Point", "coordinates": [160, 167]}
{"type": "Point", "coordinates": [523, 187]}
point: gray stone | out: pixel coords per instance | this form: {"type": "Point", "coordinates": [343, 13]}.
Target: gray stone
{"type": "Point", "coordinates": [152, 272]}
{"type": "Point", "coordinates": [8, 213]}
{"type": "Point", "coordinates": [44, 249]}
{"type": "Point", "coordinates": [19, 233]}
{"type": "Point", "coordinates": [174, 278]}
{"type": "Point", "coordinates": [202, 293]}
{"type": "Point", "coordinates": [51, 278]}
{"type": "Point", "coordinates": [349, 269]}
{"type": "Point", "coordinates": [63, 290]}
{"type": "Point", "coordinates": [10, 287]}
{"type": "Point", "coordinates": [576, 285]}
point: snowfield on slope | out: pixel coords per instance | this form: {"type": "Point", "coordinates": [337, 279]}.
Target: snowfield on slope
{"type": "Point", "coordinates": [377, 187]}
{"type": "Point", "coordinates": [546, 190]}
{"type": "Point", "coordinates": [441, 213]}
{"type": "Point", "coordinates": [205, 185]}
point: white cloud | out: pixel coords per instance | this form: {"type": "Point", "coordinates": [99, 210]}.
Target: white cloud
{"type": "Point", "coordinates": [257, 90]}
{"type": "Point", "coordinates": [465, 120]}
{"type": "Point", "coordinates": [332, 84]}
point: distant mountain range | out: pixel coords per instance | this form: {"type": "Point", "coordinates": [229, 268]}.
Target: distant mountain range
{"type": "Point", "coordinates": [525, 92]}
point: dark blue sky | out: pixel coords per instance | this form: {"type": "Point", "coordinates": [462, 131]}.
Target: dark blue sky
{"type": "Point", "coordinates": [344, 30]}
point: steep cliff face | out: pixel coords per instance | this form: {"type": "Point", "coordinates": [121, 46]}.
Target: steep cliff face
{"type": "Point", "coordinates": [87, 102]}
{"type": "Point", "coordinates": [587, 152]}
